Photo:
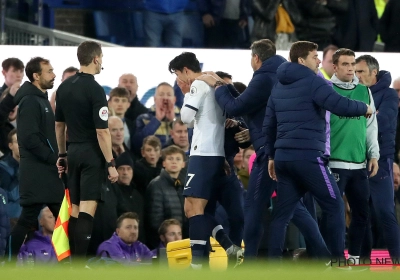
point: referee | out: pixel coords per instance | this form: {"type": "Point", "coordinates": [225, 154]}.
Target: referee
{"type": "Point", "coordinates": [81, 105]}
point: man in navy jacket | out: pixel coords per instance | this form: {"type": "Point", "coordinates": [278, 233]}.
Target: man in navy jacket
{"type": "Point", "coordinates": [295, 142]}
{"type": "Point", "coordinates": [381, 186]}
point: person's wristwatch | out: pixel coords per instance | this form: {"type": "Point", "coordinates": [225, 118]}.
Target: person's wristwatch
{"type": "Point", "coordinates": [111, 163]}
{"type": "Point", "coordinates": [62, 155]}
{"type": "Point", "coordinates": [218, 83]}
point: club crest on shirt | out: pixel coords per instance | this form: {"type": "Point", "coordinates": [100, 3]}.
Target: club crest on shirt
{"type": "Point", "coordinates": [193, 91]}
{"type": "Point", "coordinates": [336, 176]}
{"type": "Point", "coordinates": [103, 113]}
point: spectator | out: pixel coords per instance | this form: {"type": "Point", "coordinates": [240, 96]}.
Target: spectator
{"type": "Point", "coordinates": [163, 20]}
{"type": "Point", "coordinates": [13, 71]}
{"type": "Point", "coordinates": [150, 165]}
{"type": "Point", "coordinates": [158, 121]}
{"type": "Point", "coordinates": [129, 81]}
{"type": "Point", "coordinates": [164, 198]}
{"type": "Point", "coordinates": [357, 29]}
{"type": "Point", "coordinates": [327, 62]}
{"type": "Point", "coordinates": [170, 230]}
{"type": "Point", "coordinates": [244, 174]}
{"type": "Point", "coordinates": [70, 71]}
{"type": "Point", "coordinates": [119, 102]}
{"type": "Point", "coordinates": [40, 246]}
{"type": "Point", "coordinates": [224, 17]}
{"type": "Point", "coordinates": [131, 200]}
{"type": "Point", "coordinates": [4, 224]}
{"type": "Point", "coordinates": [117, 131]}
{"type": "Point", "coordinates": [179, 136]}
{"type": "Point", "coordinates": [9, 181]}
{"type": "Point", "coordinates": [266, 25]}
{"type": "Point", "coordinates": [123, 246]}
{"type": "Point", "coordinates": [387, 26]}
{"type": "Point", "coordinates": [240, 87]}
{"type": "Point", "coordinates": [225, 76]}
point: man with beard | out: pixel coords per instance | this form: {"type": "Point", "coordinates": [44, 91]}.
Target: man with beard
{"type": "Point", "coordinates": [38, 151]}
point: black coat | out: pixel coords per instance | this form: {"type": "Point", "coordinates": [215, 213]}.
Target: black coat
{"type": "Point", "coordinates": [135, 110]}
{"type": "Point", "coordinates": [144, 173]}
{"type": "Point", "coordinates": [389, 26]}
{"type": "Point", "coordinates": [264, 12]}
{"type": "Point", "coordinates": [164, 200]}
{"type": "Point", "coordinates": [6, 106]}
{"type": "Point", "coordinates": [357, 29]}
{"type": "Point", "coordinates": [39, 182]}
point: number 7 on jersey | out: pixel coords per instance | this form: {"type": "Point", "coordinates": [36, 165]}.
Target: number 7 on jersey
{"type": "Point", "coordinates": [191, 175]}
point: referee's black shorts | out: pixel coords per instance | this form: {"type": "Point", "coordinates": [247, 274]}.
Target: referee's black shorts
{"type": "Point", "coordinates": [87, 173]}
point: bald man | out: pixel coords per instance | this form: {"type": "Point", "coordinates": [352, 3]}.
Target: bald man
{"type": "Point", "coordinates": [129, 81]}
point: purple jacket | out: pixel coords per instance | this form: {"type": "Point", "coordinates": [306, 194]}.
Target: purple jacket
{"type": "Point", "coordinates": [154, 252]}
{"type": "Point", "coordinates": [41, 249]}
{"type": "Point", "coordinates": [120, 251]}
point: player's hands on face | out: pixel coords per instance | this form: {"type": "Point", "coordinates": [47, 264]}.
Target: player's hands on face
{"type": "Point", "coordinates": [231, 123]}
{"type": "Point", "coordinates": [62, 166]}
{"type": "Point", "coordinates": [373, 167]}
{"type": "Point", "coordinates": [271, 170]}
{"type": "Point", "coordinates": [210, 80]}
{"type": "Point", "coordinates": [242, 136]}
{"type": "Point", "coordinates": [208, 20]}
{"type": "Point", "coordinates": [185, 88]}
{"type": "Point", "coordinates": [112, 174]}
{"type": "Point", "coordinates": [369, 112]}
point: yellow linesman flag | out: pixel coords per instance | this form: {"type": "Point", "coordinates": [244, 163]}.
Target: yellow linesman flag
{"type": "Point", "coordinates": [60, 238]}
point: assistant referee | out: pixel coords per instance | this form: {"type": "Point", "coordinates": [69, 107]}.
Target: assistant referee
{"type": "Point", "coordinates": [81, 105]}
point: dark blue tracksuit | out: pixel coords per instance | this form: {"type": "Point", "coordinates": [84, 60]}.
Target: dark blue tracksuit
{"type": "Point", "coordinates": [381, 185]}
{"type": "Point", "coordinates": [252, 103]}
{"type": "Point", "coordinates": [295, 137]}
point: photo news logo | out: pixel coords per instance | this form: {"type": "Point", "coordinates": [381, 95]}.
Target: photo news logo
{"type": "Point", "coordinates": [355, 261]}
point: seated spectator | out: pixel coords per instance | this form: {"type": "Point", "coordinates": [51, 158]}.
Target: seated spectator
{"type": "Point", "coordinates": [131, 199]}
{"type": "Point", "coordinates": [4, 225]}
{"type": "Point", "coordinates": [169, 231]}
{"type": "Point", "coordinates": [148, 167]}
{"type": "Point", "coordinates": [244, 173]}
{"type": "Point", "coordinates": [119, 102]}
{"type": "Point", "coordinates": [164, 195]}
{"type": "Point", "coordinates": [9, 182]}
{"type": "Point", "coordinates": [158, 121]}
{"type": "Point", "coordinates": [39, 247]}
{"type": "Point", "coordinates": [179, 135]}
{"type": "Point", "coordinates": [129, 81]}
{"type": "Point", "coordinates": [70, 71]}
{"type": "Point", "coordinates": [13, 71]}
{"type": "Point", "coordinates": [123, 246]}
{"type": "Point", "coordinates": [117, 131]}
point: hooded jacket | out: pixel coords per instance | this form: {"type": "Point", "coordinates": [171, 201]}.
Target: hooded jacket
{"type": "Point", "coordinates": [9, 182]}
{"type": "Point", "coordinates": [41, 249]}
{"type": "Point", "coordinates": [253, 101]}
{"type": "Point", "coordinates": [38, 147]}
{"type": "Point", "coordinates": [386, 103]}
{"type": "Point", "coordinates": [295, 123]}
{"type": "Point", "coordinates": [124, 253]}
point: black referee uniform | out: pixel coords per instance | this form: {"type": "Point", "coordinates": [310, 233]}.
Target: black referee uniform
{"type": "Point", "coordinates": [82, 106]}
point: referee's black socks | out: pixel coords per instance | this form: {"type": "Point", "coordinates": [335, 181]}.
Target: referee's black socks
{"type": "Point", "coordinates": [71, 231]}
{"type": "Point", "coordinates": [83, 234]}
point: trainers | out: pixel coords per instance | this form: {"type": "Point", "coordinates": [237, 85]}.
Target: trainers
{"type": "Point", "coordinates": [235, 256]}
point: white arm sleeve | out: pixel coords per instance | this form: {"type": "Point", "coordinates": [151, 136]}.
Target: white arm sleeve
{"type": "Point", "coordinates": [372, 132]}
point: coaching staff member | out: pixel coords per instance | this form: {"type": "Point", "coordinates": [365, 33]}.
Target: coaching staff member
{"type": "Point", "coordinates": [39, 183]}
{"type": "Point", "coordinates": [81, 105]}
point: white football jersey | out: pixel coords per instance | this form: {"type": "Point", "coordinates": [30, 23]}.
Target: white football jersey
{"type": "Point", "coordinates": [209, 121]}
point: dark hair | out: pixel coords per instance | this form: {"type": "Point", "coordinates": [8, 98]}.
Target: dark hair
{"type": "Point", "coordinates": [162, 230]}
{"type": "Point", "coordinates": [87, 51]}
{"type": "Point", "coordinates": [264, 49]}
{"type": "Point", "coordinates": [127, 215]}
{"type": "Point", "coordinates": [301, 49]}
{"type": "Point", "coordinates": [327, 49]}
{"type": "Point", "coordinates": [10, 135]}
{"type": "Point", "coordinates": [173, 149]}
{"type": "Point", "coordinates": [370, 61]}
{"type": "Point", "coordinates": [14, 62]}
{"type": "Point", "coordinates": [223, 75]}
{"type": "Point", "coordinates": [177, 121]}
{"type": "Point", "coordinates": [152, 141]}
{"type": "Point", "coordinates": [35, 66]}
{"type": "Point", "coordinates": [186, 59]}
{"type": "Point", "coordinates": [239, 86]}
{"type": "Point", "coordinates": [70, 70]}
{"type": "Point", "coordinates": [340, 52]}
{"type": "Point", "coordinates": [119, 92]}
